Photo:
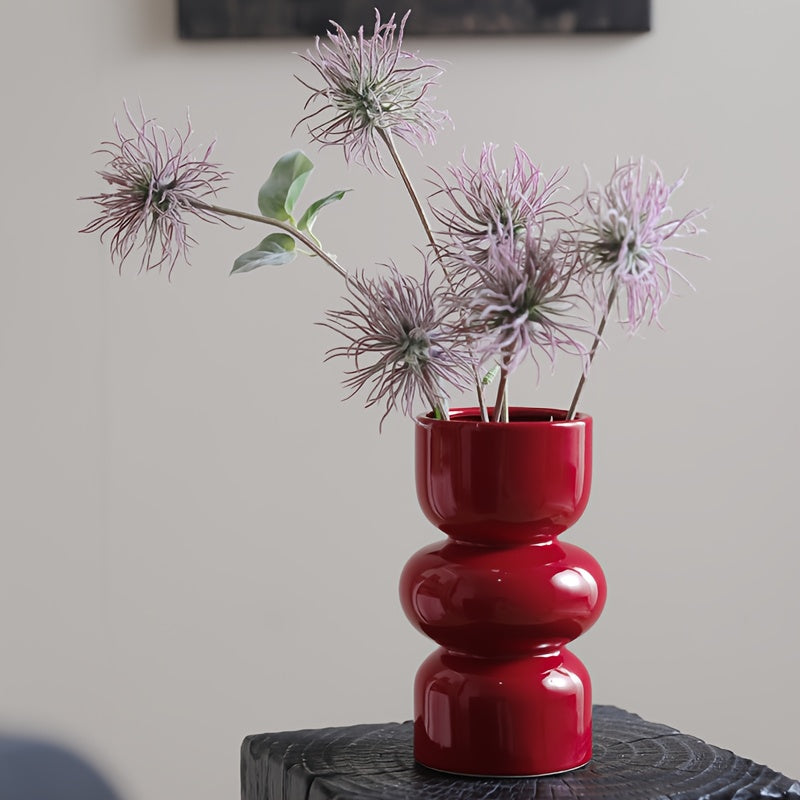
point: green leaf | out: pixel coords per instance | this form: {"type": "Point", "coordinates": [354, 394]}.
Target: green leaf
{"type": "Point", "coordinates": [275, 250]}
{"type": "Point", "coordinates": [278, 195]}
{"type": "Point", "coordinates": [307, 220]}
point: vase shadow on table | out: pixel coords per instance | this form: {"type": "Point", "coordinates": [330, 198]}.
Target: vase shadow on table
{"type": "Point", "coordinates": [37, 769]}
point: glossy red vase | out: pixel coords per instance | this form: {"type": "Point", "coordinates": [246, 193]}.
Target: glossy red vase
{"type": "Point", "coordinates": [502, 596]}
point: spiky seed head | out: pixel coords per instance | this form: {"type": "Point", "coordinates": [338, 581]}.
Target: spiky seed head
{"type": "Point", "coordinates": [627, 238]}
{"type": "Point", "coordinates": [157, 182]}
{"type": "Point", "coordinates": [401, 340]}
{"type": "Point", "coordinates": [370, 86]}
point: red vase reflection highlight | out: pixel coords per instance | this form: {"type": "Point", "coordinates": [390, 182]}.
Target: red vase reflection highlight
{"type": "Point", "coordinates": [502, 596]}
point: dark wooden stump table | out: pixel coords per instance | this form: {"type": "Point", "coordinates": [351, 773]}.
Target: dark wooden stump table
{"type": "Point", "coordinates": [633, 760]}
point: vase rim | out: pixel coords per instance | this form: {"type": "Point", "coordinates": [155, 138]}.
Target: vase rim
{"type": "Point", "coordinates": [519, 415]}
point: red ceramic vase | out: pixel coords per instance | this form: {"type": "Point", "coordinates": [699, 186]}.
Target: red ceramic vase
{"type": "Point", "coordinates": [502, 596]}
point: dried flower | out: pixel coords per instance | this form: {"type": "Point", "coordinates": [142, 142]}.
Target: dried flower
{"type": "Point", "coordinates": [487, 204]}
{"type": "Point", "coordinates": [401, 341]}
{"type": "Point", "coordinates": [523, 274]}
{"type": "Point", "coordinates": [625, 241]}
{"type": "Point", "coordinates": [524, 302]}
{"type": "Point", "coordinates": [157, 180]}
{"type": "Point", "coordinates": [371, 87]}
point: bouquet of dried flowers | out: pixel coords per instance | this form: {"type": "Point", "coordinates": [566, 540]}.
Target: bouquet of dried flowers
{"type": "Point", "coordinates": [511, 269]}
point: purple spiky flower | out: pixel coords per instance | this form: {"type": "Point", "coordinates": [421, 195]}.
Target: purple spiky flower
{"type": "Point", "coordinates": [626, 239]}
{"type": "Point", "coordinates": [525, 302]}
{"type": "Point", "coordinates": [371, 86]}
{"type": "Point", "coordinates": [478, 206]}
{"type": "Point", "coordinates": [401, 341]}
{"type": "Point", "coordinates": [157, 181]}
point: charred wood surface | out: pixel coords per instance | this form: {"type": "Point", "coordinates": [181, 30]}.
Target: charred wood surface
{"type": "Point", "coordinates": [633, 760]}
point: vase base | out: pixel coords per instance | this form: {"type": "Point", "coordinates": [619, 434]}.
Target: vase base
{"type": "Point", "coordinates": [520, 717]}
{"type": "Point", "coordinates": [502, 777]}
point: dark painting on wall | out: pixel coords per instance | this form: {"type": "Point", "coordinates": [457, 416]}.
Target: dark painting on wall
{"type": "Point", "coordinates": [202, 19]}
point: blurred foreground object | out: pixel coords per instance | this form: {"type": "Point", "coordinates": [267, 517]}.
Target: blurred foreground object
{"type": "Point", "coordinates": [32, 769]}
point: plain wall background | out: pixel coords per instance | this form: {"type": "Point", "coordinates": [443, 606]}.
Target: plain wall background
{"type": "Point", "coordinates": [200, 541]}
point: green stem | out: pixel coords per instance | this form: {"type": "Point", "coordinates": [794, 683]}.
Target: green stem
{"type": "Point", "coordinates": [276, 223]}
{"type": "Point", "coordinates": [611, 297]}
{"type": "Point", "coordinates": [439, 406]}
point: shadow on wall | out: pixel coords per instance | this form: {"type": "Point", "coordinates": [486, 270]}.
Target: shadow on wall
{"type": "Point", "coordinates": [31, 769]}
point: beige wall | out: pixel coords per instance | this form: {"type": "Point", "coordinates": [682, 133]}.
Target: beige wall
{"type": "Point", "coordinates": [179, 570]}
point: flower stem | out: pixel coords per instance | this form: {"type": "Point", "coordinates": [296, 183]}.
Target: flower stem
{"type": "Point", "coordinates": [481, 395]}
{"type": "Point", "coordinates": [386, 135]}
{"type": "Point", "coordinates": [438, 406]}
{"type": "Point", "coordinates": [611, 297]}
{"type": "Point", "coordinates": [276, 223]}
{"type": "Point", "coordinates": [501, 402]}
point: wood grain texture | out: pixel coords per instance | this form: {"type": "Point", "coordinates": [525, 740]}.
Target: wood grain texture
{"type": "Point", "coordinates": [633, 760]}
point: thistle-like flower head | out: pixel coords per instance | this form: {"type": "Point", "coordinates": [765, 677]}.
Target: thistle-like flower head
{"type": "Point", "coordinates": [156, 180]}
{"type": "Point", "coordinates": [484, 204]}
{"type": "Point", "coordinates": [371, 86]}
{"type": "Point", "coordinates": [401, 342]}
{"type": "Point", "coordinates": [626, 241]}
{"type": "Point", "coordinates": [524, 302]}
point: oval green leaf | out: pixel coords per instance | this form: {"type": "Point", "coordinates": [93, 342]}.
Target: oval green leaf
{"type": "Point", "coordinates": [277, 249]}
{"type": "Point", "coordinates": [278, 195]}
{"type": "Point", "coordinates": [309, 218]}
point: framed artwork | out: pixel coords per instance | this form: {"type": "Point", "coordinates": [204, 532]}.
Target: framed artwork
{"type": "Point", "coordinates": [204, 19]}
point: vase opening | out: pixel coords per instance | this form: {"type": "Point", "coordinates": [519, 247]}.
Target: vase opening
{"type": "Point", "coordinates": [516, 414]}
